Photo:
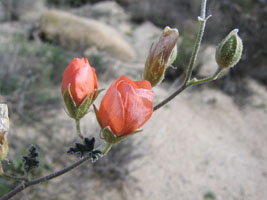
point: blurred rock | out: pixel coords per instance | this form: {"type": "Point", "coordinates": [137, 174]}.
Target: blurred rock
{"type": "Point", "coordinates": [258, 98]}
{"type": "Point", "coordinates": [10, 32]}
{"type": "Point", "coordinates": [24, 10]}
{"type": "Point", "coordinates": [79, 33]}
{"type": "Point", "coordinates": [107, 10]}
{"type": "Point", "coordinates": [2, 12]}
{"type": "Point", "coordinates": [29, 10]}
{"type": "Point", "coordinates": [144, 35]}
{"type": "Point", "coordinates": [208, 64]}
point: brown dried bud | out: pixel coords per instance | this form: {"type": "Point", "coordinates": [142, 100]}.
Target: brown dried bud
{"type": "Point", "coordinates": [161, 55]}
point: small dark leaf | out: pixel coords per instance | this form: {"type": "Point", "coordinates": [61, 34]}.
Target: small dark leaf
{"type": "Point", "coordinates": [31, 160]}
{"type": "Point", "coordinates": [86, 148]}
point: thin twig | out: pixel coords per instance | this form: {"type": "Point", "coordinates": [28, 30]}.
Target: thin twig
{"type": "Point", "coordinates": [24, 185]}
{"type": "Point", "coordinates": [78, 128]}
{"type": "Point", "coordinates": [202, 21]}
{"type": "Point", "coordinates": [107, 148]}
{"type": "Point", "coordinates": [165, 101]}
{"type": "Point", "coordinates": [205, 80]}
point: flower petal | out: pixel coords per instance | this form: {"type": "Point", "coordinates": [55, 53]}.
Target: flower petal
{"type": "Point", "coordinates": [128, 80]}
{"type": "Point", "coordinates": [81, 77]}
{"type": "Point", "coordinates": [111, 111]}
{"type": "Point", "coordinates": [143, 84]}
{"type": "Point", "coordinates": [82, 83]}
{"type": "Point", "coordinates": [95, 78]}
{"type": "Point", "coordinates": [138, 107]}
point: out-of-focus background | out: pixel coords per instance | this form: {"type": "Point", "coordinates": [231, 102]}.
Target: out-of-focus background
{"type": "Point", "coordinates": [209, 143]}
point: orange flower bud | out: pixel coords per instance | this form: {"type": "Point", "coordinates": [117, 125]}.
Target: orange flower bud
{"type": "Point", "coordinates": [126, 106]}
{"type": "Point", "coordinates": [161, 55]}
{"type": "Point", "coordinates": [82, 79]}
{"type": "Point", "coordinates": [79, 87]}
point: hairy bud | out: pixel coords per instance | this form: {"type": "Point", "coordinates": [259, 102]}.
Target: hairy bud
{"type": "Point", "coordinates": [229, 51]}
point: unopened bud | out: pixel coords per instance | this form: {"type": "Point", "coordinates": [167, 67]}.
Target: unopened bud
{"type": "Point", "coordinates": [229, 51]}
{"type": "Point", "coordinates": [161, 55]}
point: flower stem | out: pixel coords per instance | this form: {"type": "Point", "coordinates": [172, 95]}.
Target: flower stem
{"type": "Point", "coordinates": [48, 177]}
{"type": "Point", "coordinates": [107, 148]}
{"type": "Point", "coordinates": [205, 80]}
{"type": "Point", "coordinates": [165, 101]}
{"type": "Point", "coordinates": [202, 19]}
{"type": "Point", "coordinates": [78, 128]}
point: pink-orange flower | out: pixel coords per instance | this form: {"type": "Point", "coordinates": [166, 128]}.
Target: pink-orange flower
{"type": "Point", "coordinates": [126, 106]}
{"type": "Point", "coordinates": [82, 79]}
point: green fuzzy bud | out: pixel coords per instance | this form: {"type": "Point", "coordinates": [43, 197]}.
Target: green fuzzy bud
{"type": "Point", "coordinates": [229, 51]}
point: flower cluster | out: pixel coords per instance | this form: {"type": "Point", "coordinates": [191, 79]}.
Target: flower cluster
{"type": "Point", "coordinates": [126, 106]}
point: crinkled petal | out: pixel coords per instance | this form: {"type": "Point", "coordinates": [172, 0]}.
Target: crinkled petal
{"type": "Point", "coordinates": [82, 83]}
{"type": "Point", "coordinates": [95, 78]}
{"type": "Point", "coordinates": [128, 80]}
{"type": "Point", "coordinates": [138, 107]}
{"type": "Point", "coordinates": [143, 84]}
{"type": "Point", "coordinates": [81, 77]}
{"type": "Point", "coordinates": [111, 111]}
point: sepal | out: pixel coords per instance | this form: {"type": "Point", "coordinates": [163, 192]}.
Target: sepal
{"type": "Point", "coordinates": [107, 133]}
{"type": "Point", "coordinates": [96, 115]}
{"type": "Point", "coordinates": [173, 56]}
{"type": "Point", "coordinates": [85, 105]}
{"type": "Point", "coordinates": [78, 111]}
{"type": "Point", "coordinates": [69, 102]}
{"type": "Point", "coordinates": [111, 138]}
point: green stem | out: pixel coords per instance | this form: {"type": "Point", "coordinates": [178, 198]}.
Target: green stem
{"type": "Point", "coordinates": [205, 80]}
{"type": "Point", "coordinates": [203, 9]}
{"type": "Point", "coordinates": [78, 128]}
{"type": "Point", "coordinates": [202, 19]}
{"type": "Point", "coordinates": [107, 148]}
{"type": "Point", "coordinates": [22, 186]}
{"type": "Point", "coordinates": [165, 101]}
